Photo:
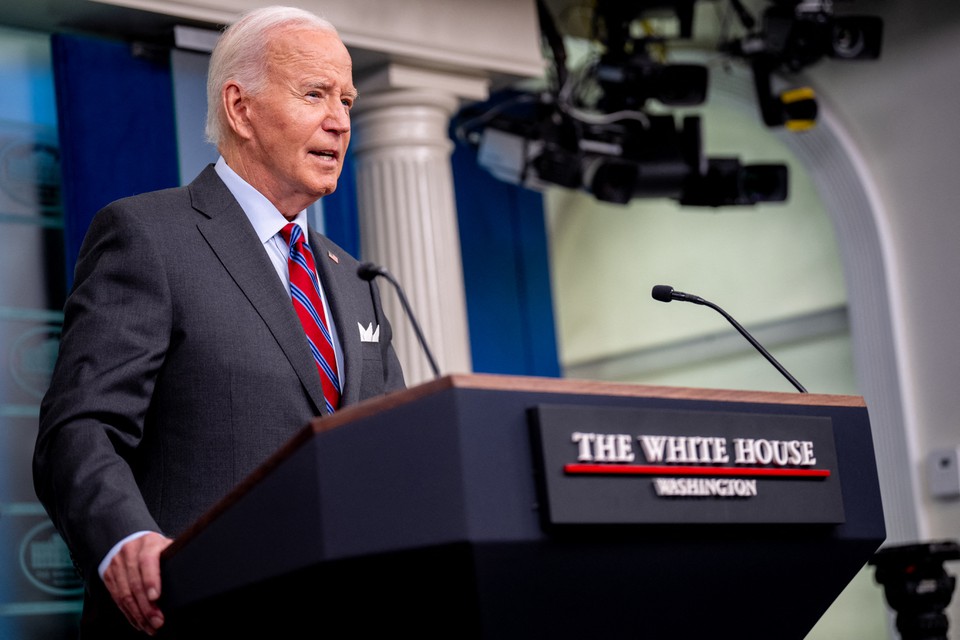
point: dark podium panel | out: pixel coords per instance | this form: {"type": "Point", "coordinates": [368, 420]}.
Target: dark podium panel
{"type": "Point", "coordinates": [443, 511]}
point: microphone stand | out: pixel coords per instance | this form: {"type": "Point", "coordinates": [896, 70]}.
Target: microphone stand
{"type": "Point", "coordinates": [368, 271]}
{"type": "Point", "coordinates": [665, 293]}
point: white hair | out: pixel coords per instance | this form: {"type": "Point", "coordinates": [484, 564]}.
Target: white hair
{"type": "Point", "coordinates": [241, 56]}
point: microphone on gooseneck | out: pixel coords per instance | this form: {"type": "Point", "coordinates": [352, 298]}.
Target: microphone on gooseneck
{"type": "Point", "coordinates": [666, 293]}
{"type": "Point", "coordinates": [368, 271]}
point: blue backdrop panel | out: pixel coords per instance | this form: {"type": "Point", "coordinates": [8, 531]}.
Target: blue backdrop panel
{"type": "Point", "coordinates": [506, 272]}
{"type": "Point", "coordinates": [340, 219]}
{"type": "Point", "coordinates": [116, 123]}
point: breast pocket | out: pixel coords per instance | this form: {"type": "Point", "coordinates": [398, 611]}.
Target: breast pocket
{"type": "Point", "coordinates": [372, 380]}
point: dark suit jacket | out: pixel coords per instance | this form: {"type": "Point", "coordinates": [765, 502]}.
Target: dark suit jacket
{"type": "Point", "coordinates": [183, 365]}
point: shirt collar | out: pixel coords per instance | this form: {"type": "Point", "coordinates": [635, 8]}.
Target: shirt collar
{"type": "Point", "coordinates": [266, 219]}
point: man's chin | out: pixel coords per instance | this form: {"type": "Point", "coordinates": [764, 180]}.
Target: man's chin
{"type": "Point", "coordinates": [328, 189]}
{"type": "Point", "coordinates": [326, 184]}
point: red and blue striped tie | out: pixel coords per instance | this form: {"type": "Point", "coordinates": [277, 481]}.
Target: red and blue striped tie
{"type": "Point", "coordinates": [304, 290]}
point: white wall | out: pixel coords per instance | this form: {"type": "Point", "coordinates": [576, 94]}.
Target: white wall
{"type": "Point", "coordinates": [902, 116]}
{"type": "Point", "coordinates": [762, 264]}
{"type": "Point", "coordinates": [901, 113]}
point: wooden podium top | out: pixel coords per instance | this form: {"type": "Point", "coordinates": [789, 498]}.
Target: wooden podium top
{"type": "Point", "coordinates": [580, 387]}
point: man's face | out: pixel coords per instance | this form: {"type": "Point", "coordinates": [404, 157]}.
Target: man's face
{"type": "Point", "coordinates": [299, 126]}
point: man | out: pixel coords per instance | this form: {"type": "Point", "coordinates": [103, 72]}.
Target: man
{"type": "Point", "coordinates": [184, 362]}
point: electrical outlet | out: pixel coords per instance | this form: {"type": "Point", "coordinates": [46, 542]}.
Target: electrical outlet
{"type": "Point", "coordinates": [943, 467]}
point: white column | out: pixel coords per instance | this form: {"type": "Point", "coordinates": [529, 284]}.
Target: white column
{"type": "Point", "coordinates": [408, 220]}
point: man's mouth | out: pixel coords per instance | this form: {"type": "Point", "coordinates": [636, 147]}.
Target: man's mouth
{"type": "Point", "coordinates": [330, 155]}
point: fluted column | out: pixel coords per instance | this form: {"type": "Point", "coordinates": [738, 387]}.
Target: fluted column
{"type": "Point", "coordinates": [408, 220]}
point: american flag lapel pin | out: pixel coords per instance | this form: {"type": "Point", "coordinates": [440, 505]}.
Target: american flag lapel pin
{"type": "Point", "coordinates": [333, 257]}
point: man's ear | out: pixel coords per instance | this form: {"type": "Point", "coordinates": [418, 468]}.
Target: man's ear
{"type": "Point", "coordinates": [236, 105]}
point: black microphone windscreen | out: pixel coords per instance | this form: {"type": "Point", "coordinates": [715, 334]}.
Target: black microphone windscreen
{"type": "Point", "coordinates": [368, 271]}
{"type": "Point", "coordinates": [662, 292]}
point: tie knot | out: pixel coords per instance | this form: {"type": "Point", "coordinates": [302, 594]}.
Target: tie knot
{"type": "Point", "coordinates": [292, 234]}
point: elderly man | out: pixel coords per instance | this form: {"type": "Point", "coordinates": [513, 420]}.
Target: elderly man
{"type": "Point", "coordinates": [203, 331]}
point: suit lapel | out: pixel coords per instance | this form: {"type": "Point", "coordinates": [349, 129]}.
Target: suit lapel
{"type": "Point", "coordinates": [335, 279]}
{"type": "Point", "coordinates": [230, 235]}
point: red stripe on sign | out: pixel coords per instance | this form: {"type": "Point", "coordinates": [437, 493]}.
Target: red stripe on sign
{"type": "Point", "coordinates": [646, 470]}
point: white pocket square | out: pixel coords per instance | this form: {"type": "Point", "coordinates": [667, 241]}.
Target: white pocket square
{"type": "Point", "coordinates": [368, 333]}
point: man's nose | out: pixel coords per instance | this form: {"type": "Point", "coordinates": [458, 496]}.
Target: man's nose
{"type": "Point", "coordinates": [338, 120]}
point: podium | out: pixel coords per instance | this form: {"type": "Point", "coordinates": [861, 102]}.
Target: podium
{"type": "Point", "coordinates": [478, 506]}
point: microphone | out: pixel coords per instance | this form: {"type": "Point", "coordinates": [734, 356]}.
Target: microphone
{"type": "Point", "coordinates": [666, 293]}
{"type": "Point", "coordinates": [368, 271]}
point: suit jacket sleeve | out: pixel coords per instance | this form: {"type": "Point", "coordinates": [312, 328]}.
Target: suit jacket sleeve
{"type": "Point", "coordinates": [116, 330]}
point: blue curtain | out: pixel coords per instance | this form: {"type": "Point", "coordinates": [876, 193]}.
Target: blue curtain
{"type": "Point", "coordinates": [506, 272]}
{"type": "Point", "coordinates": [340, 220]}
{"type": "Point", "coordinates": [116, 125]}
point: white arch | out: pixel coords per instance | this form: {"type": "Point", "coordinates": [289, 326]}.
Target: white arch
{"type": "Point", "coordinates": [852, 202]}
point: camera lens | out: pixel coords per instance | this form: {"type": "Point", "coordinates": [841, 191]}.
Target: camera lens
{"type": "Point", "coordinates": [848, 41]}
{"type": "Point", "coordinates": [856, 37]}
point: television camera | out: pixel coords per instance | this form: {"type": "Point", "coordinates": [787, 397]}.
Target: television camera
{"type": "Point", "coordinates": [592, 128]}
{"type": "Point", "coordinates": [794, 35]}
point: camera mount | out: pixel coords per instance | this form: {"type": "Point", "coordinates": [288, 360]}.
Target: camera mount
{"type": "Point", "coordinates": [917, 587]}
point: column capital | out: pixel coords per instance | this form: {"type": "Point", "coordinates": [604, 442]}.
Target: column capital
{"type": "Point", "coordinates": [414, 118]}
{"type": "Point", "coordinates": [395, 76]}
